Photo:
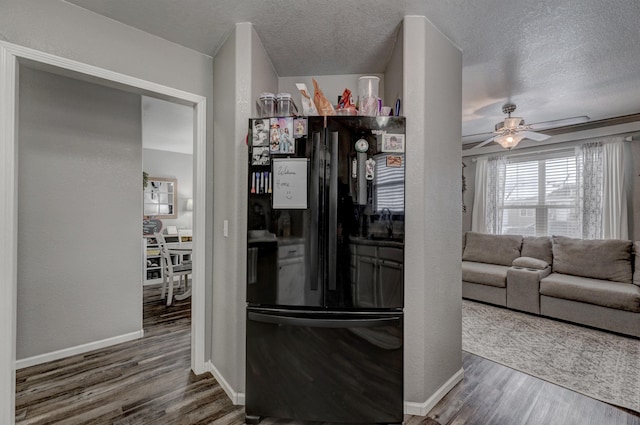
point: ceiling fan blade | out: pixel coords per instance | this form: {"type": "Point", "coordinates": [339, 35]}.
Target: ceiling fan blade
{"type": "Point", "coordinates": [559, 123]}
{"type": "Point", "coordinates": [538, 137]}
{"type": "Point", "coordinates": [481, 144]}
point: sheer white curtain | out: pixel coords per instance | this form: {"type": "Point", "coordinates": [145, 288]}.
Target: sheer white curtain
{"type": "Point", "coordinates": [614, 199]}
{"type": "Point", "coordinates": [603, 199]}
{"type": "Point", "coordinates": [489, 195]}
{"type": "Point", "coordinates": [589, 164]}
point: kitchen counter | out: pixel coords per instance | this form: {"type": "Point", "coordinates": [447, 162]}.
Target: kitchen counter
{"type": "Point", "coordinates": [356, 240]}
{"type": "Point", "coordinates": [290, 240]}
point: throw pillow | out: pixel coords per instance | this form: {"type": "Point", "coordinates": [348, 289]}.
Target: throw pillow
{"type": "Point", "coordinates": [608, 259]}
{"type": "Point", "coordinates": [537, 247]}
{"type": "Point", "coordinates": [492, 249]}
{"type": "Point", "coordinates": [530, 263]}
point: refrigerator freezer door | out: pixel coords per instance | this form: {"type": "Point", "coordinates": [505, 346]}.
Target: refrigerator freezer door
{"type": "Point", "coordinates": [328, 367]}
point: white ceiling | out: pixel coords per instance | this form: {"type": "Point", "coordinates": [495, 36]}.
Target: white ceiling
{"type": "Point", "coordinates": [554, 59]}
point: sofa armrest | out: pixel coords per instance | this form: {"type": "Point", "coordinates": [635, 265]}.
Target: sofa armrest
{"type": "Point", "coordinates": [523, 288]}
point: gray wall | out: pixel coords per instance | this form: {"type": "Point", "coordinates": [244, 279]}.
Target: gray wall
{"type": "Point", "coordinates": [393, 78]}
{"type": "Point", "coordinates": [242, 70]}
{"type": "Point", "coordinates": [177, 166]}
{"type": "Point", "coordinates": [433, 293]}
{"type": "Point", "coordinates": [68, 31]}
{"type": "Point", "coordinates": [79, 209]}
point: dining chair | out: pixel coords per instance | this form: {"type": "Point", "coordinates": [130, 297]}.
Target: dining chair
{"type": "Point", "coordinates": [171, 270]}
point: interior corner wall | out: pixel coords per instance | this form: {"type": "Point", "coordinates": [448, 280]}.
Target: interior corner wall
{"type": "Point", "coordinates": [263, 74]}
{"type": "Point", "coordinates": [224, 311]}
{"type": "Point", "coordinates": [432, 105]}
{"type": "Point", "coordinates": [159, 163]}
{"type": "Point", "coordinates": [80, 197]}
{"type": "Point", "coordinates": [393, 78]}
{"type": "Point", "coordinates": [242, 70]}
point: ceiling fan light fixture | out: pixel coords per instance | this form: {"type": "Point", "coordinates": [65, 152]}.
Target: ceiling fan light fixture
{"type": "Point", "coordinates": [509, 141]}
{"type": "Point", "coordinates": [513, 122]}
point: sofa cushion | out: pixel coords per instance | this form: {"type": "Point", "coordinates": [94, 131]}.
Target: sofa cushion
{"type": "Point", "coordinates": [605, 293]}
{"type": "Point", "coordinates": [537, 247]}
{"type": "Point", "coordinates": [485, 274]}
{"type": "Point", "coordinates": [492, 249]}
{"type": "Point", "coordinates": [530, 263]}
{"type": "Point", "coordinates": [598, 259]}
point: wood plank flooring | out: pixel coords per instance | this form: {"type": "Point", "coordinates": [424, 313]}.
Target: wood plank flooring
{"type": "Point", "coordinates": [148, 381]}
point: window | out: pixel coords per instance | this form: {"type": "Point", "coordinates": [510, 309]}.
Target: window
{"type": "Point", "coordinates": [575, 192]}
{"type": "Point", "coordinates": [541, 195]}
{"type": "Point", "coordinates": [389, 184]}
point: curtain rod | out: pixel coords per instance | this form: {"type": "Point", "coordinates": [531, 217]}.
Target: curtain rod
{"type": "Point", "coordinates": [625, 139]}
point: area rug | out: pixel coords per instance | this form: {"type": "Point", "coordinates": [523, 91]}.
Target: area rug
{"type": "Point", "coordinates": [597, 364]}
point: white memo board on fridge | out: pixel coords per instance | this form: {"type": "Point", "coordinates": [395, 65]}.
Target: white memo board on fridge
{"type": "Point", "coordinates": [290, 183]}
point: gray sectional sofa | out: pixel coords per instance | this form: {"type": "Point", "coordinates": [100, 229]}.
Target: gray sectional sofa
{"type": "Point", "coordinates": [589, 282]}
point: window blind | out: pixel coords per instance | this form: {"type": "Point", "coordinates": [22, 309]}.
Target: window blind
{"type": "Point", "coordinates": [541, 195]}
{"type": "Point", "coordinates": [388, 185]}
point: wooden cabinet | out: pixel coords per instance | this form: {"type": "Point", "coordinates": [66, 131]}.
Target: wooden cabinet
{"type": "Point", "coordinates": [377, 275]}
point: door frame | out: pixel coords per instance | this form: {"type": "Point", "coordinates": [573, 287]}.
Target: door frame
{"type": "Point", "coordinates": [11, 56]}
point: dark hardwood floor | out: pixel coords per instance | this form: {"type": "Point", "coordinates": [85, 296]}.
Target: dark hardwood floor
{"type": "Point", "coordinates": [148, 381]}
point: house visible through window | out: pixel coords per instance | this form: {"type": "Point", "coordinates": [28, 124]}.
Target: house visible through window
{"type": "Point", "coordinates": [541, 195]}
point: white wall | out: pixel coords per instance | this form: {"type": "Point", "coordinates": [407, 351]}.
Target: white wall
{"type": "Point", "coordinates": [432, 105]}
{"type": "Point", "coordinates": [79, 191]}
{"type": "Point", "coordinates": [178, 166]}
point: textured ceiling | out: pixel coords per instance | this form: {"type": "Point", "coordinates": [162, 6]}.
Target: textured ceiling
{"type": "Point", "coordinates": [554, 59]}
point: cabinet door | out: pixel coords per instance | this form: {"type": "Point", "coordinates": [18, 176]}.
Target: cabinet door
{"type": "Point", "coordinates": [365, 283]}
{"type": "Point", "coordinates": [290, 286]}
{"type": "Point", "coordinates": [391, 284]}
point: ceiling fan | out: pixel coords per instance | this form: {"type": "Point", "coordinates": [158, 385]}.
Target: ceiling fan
{"type": "Point", "coordinates": [512, 130]}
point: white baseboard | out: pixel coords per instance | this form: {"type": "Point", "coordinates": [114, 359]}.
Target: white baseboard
{"type": "Point", "coordinates": [78, 349]}
{"type": "Point", "coordinates": [236, 397]}
{"type": "Point", "coordinates": [410, 408]}
{"type": "Point", "coordinates": [422, 409]}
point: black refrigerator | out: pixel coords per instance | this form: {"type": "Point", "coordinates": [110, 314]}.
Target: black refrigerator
{"type": "Point", "coordinates": [325, 269]}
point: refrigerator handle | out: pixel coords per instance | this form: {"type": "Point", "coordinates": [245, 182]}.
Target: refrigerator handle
{"type": "Point", "coordinates": [332, 229]}
{"type": "Point", "coordinates": [314, 194]}
{"type": "Point", "coordinates": [323, 323]}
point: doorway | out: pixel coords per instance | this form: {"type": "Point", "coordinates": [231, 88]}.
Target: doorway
{"type": "Point", "coordinates": [12, 58]}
